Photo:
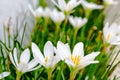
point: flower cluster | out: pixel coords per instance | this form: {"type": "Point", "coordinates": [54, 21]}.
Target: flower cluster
{"type": "Point", "coordinates": [67, 40]}
{"type": "Point", "coordinates": [52, 55]}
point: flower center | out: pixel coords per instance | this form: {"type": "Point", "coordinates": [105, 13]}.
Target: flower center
{"type": "Point", "coordinates": [23, 67]}
{"type": "Point", "coordinates": [75, 59]}
{"type": "Point", "coordinates": [108, 36]}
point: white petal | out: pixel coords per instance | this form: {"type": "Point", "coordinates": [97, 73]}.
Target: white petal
{"type": "Point", "coordinates": [32, 63]}
{"type": "Point", "coordinates": [89, 57]}
{"type": "Point", "coordinates": [15, 56]}
{"type": "Point", "coordinates": [62, 4]}
{"type": "Point", "coordinates": [37, 53]}
{"type": "Point", "coordinates": [34, 68]}
{"type": "Point", "coordinates": [11, 59]}
{"type": "Point", "coordinates": [69, 62]}
{"type": "Point", "coordinates": [4, 74]}
{"type": "Point", "coordinates": [49, 62]}
{"type": "Point", "coordinates": [56, 59]}
{"type": "Point", "coordinates": [25, 56]}
{"type": "Point", "coordinates": [78, 50]}
{"type": "Point", "coordinates": [22, 67]}
{"type": "Point", "coordinates": [56, 4]}
{"type": "Point", "coordinates": [48, 49]}
{"type": "Point", "coordinates": [58, 54]}
{"type": "Point", "coordinates": [64, 49]}
{"type": "Point", "coordinates": [86, 64]}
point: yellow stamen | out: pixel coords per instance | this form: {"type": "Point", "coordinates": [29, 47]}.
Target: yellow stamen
{"type": "Point", "coordinates": [108, 36]}
{"type": "Point", "coordinates": [75, 59]}
{"type": "Point", "coordinates": [46, 60]}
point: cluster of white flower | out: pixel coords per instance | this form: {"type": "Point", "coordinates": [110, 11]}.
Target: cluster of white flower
{"type": "Point", "coordinates": [62, 52]}
{"type": "Point", "coordinates": [52, 55]}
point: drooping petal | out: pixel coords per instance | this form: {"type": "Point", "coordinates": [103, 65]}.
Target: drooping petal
{"type": "Point", "coordinates": [32, 63]}
{"type": "Point", "coordinates": [34, 68]}
{"type": "Point", "coordinates": [48, 49]}
{"type": "Point", "coordinates": [37, 53]}
{"type": "Point", "coordinates": [4, 74]}
{"type": "Point", "coordinates": [78, 50]}
{"type": "Point", "coordinates": [15, 56]}
{"type": "Point", "coordinates": [86, 64]}
{"type": "Point", "coordinates": [89, 57]}
{"type": "Point", "coordinates": [25, 56]}
{"type": "Point", "coordinates": [11, 59]}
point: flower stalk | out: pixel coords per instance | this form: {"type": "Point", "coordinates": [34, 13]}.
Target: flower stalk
{"type": "Point", "coordinates": [19, 74]}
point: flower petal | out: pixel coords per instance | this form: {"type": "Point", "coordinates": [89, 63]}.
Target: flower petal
{"type": "Point", "coordinates": [34, 68]}
{"type": "Point", "coordinates": [37, 53]}
{"type": "Point", "coordinates": [56, 4]}
{"type": "Point", "coordinates": [25, 56]}
{"type": "Point", "coordinates": [62, 4]}
{"type": "Point", "coordinates": [32, 63]}
{"type": "Point", "coordinates": [89, 57]}
{"type": "Point", "coordinates": [69, 62]}
{"type": "Point", "coordinates": [48, 49]}
{"type": "Point", "coordinates": [63, 49]}
{"type": "Point", "coordinates": [15, 56]}
{"type": "Point", "coordinates": [4, 74]}
{"type": "Point", "coordinates": [11, 59]}
{"type": "Point", "coordinates": [86, 64]}
{"type": "Point", "coordinates": [78, 50]}
{"type": "Point", "coordinates": [56, 59]}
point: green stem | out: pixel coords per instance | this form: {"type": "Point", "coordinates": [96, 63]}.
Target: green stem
{"type": "Point", "coordinates": [64, 27]}
{"type": "Point", "coordinates": [73, 74]}
{"type": "Point", "coordinates": [57, 32]}
{"type": "Point", "coordinates": [49, 72]}
{"type": "Point", "coordinates": [75, 36]}
{"type": "Point", "coordinates": [19, 74]}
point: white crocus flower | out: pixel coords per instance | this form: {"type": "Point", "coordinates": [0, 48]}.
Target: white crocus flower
{"type": "Point", "coordinates": [57, 16]}
{"type": "Point", "coordinates": [4, 74]}
{"type": "Point", "coordinates": [41, 12]}
{"type": "Point", "coordinates": [24, 64]}
{"type": "Point", "coordinates": [66, 7]}
{"type": "Point", "coordinates": [47, 12]}
{"type": "Point", "coordinates": [77, 59]}
{"type": "Point", "coordinates": [48, 60]}
{"type": "Point", "coordinates": [111, 33]}
{"type": "Point", "coordinates": [91, 5]}
{"type": "Point", "coordinates": [77, 22]}
{"type": "Point", "coordinates": [110, 2]}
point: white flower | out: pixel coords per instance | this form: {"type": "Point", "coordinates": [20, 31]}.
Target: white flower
{"type": "Point", "coordinates": [23, 65]}
{"type": "Point", "coordinates": [57, 16]}
{"type": "Point", "coordinates": [110, 2]}
{"type": "Point", "coordinates": [77, 58]}
{"type": "Point", "coordinates": [4, 74]}
{"type": "Point", "coordinates": [47, 12]}
{"type": "Point", "coordinates": [48, 60]}
{"type": "Point", "coordinates": [77, 22]}
{"type": "Point", "coordinates": [66, 7]}
{"type": "Point", "coordinates": [40, 12]}
{"type": "Point", "coordinates": [111, 33]}
{"type": "Point", "coordinates": [91, 5]}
